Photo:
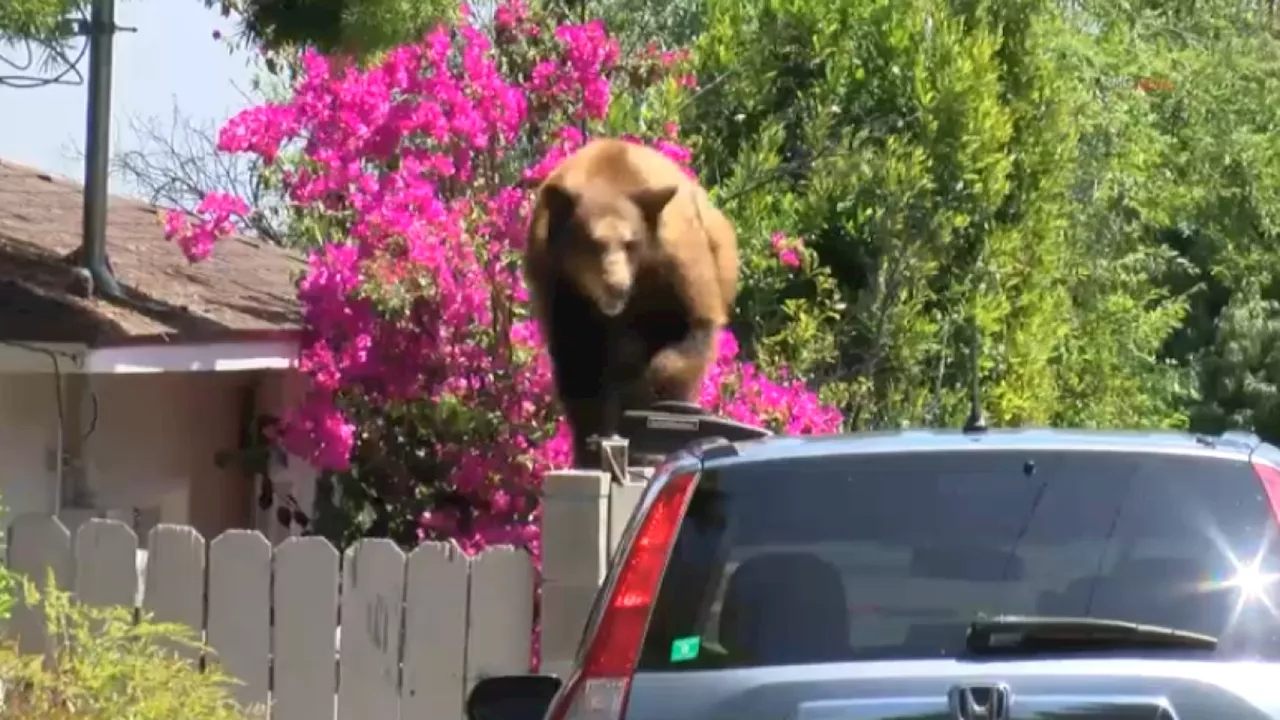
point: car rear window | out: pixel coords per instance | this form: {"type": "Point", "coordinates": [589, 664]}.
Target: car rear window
{"type": "Point", "coordinates": [891, 556]}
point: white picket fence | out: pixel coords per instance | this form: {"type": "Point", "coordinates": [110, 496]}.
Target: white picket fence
{"type": "Point", "coordinates": [417, 630]}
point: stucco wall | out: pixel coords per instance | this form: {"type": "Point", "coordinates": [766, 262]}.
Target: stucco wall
{"type": "Point", "coordinates": [28, 430]}
{"type": "Point", "coordinates": [150, 450]}
{"type": "Point", "coordinates": [155, 443]}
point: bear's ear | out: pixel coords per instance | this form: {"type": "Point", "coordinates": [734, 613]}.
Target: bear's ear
{"type": "Point", "coordinates": [560, 203]}
{"type": "Point", "coordinates": [652, 201]}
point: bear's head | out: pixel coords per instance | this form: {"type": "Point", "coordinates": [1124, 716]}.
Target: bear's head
{"type": "Point", "coordinates": [601, 238]}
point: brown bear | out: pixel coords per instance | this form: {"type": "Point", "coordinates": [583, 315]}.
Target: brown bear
{"type": "Point", "coordinates": [632, 274]}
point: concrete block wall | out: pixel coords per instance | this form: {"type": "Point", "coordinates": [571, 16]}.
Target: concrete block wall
{"type": "Point", "coordinates": [583, 516]}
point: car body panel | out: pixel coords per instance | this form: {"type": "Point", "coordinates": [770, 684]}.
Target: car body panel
{"type": "Point", "coordinates": [801, 446]}
{"type": "Point", "coordinates": [1083, 688]}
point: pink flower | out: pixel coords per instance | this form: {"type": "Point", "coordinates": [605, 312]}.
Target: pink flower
{"type": "Point", "coordinates": [787, 249]}
{"type": "Point", "coordinates": [511, 14]}
{"type": "Point", "coordinates": [219, 214]}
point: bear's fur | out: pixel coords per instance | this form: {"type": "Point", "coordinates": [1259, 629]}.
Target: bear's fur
{"type": "Point", "coordinates": [624, 248]}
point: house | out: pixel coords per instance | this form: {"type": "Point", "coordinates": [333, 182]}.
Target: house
{"type": "Point", "coordinates": [121, 409]}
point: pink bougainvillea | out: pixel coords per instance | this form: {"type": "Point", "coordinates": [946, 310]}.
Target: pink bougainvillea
{"type": "Point", "coordinates": [787, 249]}
{"type": "Point", "coordinates": [410, 181]}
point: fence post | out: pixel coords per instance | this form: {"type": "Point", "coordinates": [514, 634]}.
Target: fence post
{"type": "Point", "coordinates": [38, 543]}
{"type": "Point", "coordinates": [575, 557]}
{"type": "Point", "coordinates": [623, 498]}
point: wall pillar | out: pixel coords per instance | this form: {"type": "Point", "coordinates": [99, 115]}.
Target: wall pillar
{"type": "Point", "coordinates": [575, 558]}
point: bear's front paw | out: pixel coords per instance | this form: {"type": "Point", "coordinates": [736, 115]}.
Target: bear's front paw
{"type": "Point", "coordinates": [671, 373]}
{"type": "Point", "coordinates": [667, 363]}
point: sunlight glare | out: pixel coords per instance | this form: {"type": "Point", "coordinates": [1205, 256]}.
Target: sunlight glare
{"type": "Point", "coordinates": [1253, 585]}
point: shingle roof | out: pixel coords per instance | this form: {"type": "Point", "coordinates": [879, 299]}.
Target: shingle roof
{"type": "Point", "coordinates": [245, 289]}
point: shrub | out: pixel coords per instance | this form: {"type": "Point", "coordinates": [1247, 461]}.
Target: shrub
{"type": "Point", "coordinates": [105, 666]}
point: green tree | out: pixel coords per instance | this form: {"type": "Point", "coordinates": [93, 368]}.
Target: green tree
{"type": "Point", "coordinates": [35, 18]}
{"type": "Point", "coordinates": [1213, 199]}
{"type": "Point", "coordinates": [355, 27]}
{"type": "Point", "coordinates": [953, 163]}
{"type": "Point", "coordinates": [670, 24]}
{"type": "Point", "coordinates": [366, 27]}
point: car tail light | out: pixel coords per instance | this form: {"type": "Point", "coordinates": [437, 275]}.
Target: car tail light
{"type": "Point", "coordinates": [598, 691]}
{"type": "Point", "coordinates": [1269, 476]}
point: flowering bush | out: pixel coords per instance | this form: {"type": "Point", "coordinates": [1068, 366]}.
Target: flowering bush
{"type": "Point", "coordinates": [787, 249]}
{"type": "Point", "coordinates": [429, 391]}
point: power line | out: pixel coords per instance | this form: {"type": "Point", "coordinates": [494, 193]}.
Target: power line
{"type": "Point", "coordinates": [52, 54]}
{"type": "Point", "coordinates": [53, 57]}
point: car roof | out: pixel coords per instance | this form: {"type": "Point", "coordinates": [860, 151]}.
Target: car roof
{"type": "Point", "coordinates": [1231, 446]}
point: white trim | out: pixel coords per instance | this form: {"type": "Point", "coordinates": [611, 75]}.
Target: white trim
{"type": "Point", "coordinates": [216, 357]}
{"type": "Point", "coordinates": [133, 359]}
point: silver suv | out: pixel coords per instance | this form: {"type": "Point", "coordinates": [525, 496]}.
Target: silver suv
{"type": "Point", "coordinates": [1005, 575]}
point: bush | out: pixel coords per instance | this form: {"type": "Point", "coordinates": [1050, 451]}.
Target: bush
{"type": "Point", "coordinates": [107, 667]}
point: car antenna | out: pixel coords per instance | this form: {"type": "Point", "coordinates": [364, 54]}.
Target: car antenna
{"type": "Point", "coordinates": [977, 421]}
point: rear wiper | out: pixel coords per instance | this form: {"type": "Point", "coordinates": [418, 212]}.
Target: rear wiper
{"type": "Point", "coordinates": [1036, 633]}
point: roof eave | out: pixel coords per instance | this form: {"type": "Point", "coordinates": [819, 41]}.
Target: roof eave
{"type": "Point", "coordinates": [232, 352]}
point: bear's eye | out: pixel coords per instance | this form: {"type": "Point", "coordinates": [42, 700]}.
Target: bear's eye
{"type": "Point", "coordinates": [581, 244]}
{"type": "Point", "coordinates": [632, 245]}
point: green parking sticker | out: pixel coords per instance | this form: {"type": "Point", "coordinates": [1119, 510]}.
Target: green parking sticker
{"type": "Point", "coordinates": [685, 649]}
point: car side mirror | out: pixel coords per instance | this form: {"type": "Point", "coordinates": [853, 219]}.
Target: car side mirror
{"type": "Point", "coordinates": [512, 697]}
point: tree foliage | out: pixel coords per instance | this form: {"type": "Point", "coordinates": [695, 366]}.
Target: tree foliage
{"type": "Point", "coordinates": [956, 166]}
{"type": "Point", "coordinates": [35, 18]}
{"type": "Point", "coordinates": [1219, 182]}
{"type": "Point", "coordinates": [360, 28]}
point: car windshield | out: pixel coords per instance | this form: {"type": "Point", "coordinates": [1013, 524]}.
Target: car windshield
{"type": "Point", "coordinates": [891, 556]}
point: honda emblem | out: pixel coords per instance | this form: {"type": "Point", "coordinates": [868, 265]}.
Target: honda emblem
{"type": "Point", "coordinates": [980, 702]}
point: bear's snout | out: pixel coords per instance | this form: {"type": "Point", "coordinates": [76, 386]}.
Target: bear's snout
{"type": "Point", "coordinates": [617, 276]}
{"type": "Point", "coordinates": [613, 299]}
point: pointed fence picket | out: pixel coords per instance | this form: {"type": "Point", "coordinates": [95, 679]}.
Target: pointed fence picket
{"type": "Point", "coordinates": [417, 630]}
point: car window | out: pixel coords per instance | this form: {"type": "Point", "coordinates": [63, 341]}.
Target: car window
{"type": "Point", "coordinates": [891, 556]}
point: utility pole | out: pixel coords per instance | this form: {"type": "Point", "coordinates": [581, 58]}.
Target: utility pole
{"type": "Point", "coordinates": [101, 33]}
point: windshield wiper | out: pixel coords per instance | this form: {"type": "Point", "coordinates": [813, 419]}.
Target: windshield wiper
{"type": "Point", "coordinates": [1036, 633]}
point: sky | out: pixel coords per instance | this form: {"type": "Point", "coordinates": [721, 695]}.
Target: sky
{"type": "Point", "coordinates": [171, 58]}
